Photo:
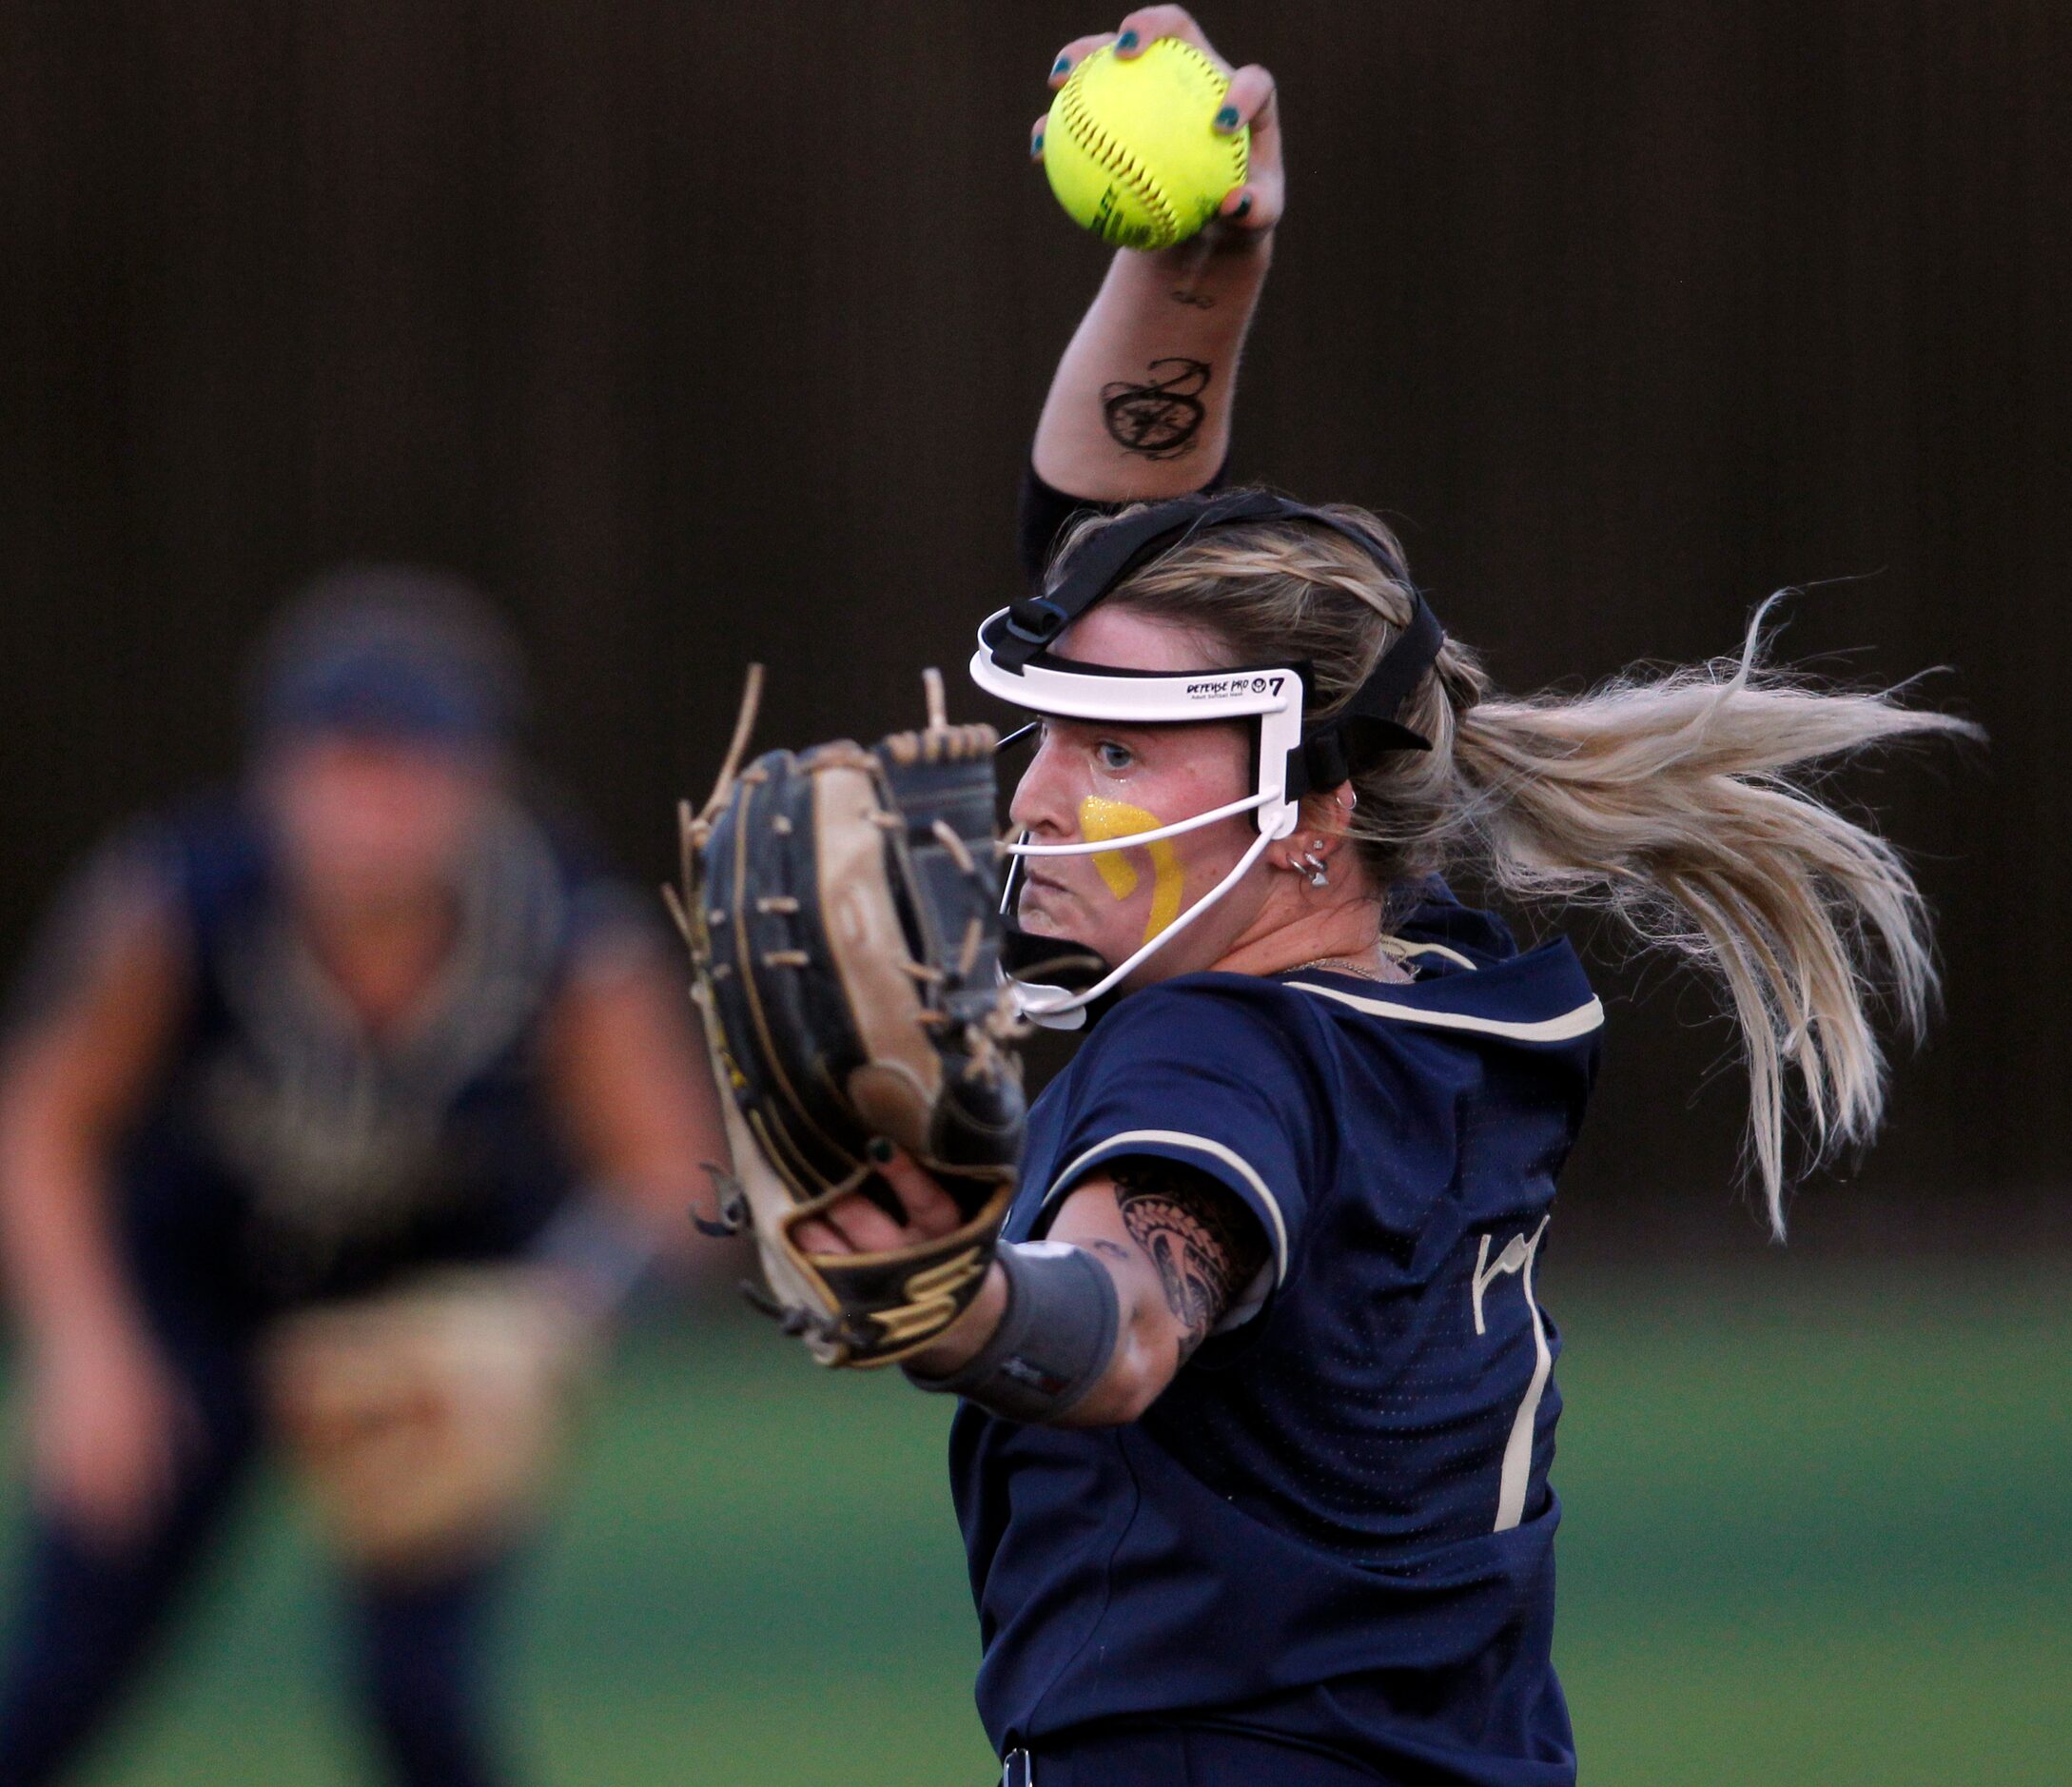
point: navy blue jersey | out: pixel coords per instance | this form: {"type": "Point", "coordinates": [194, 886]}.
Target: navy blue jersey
{"type": "Point", "coordinates": [286, 1154]}
{"type": "Point", "coordinates": [1335, 1528]}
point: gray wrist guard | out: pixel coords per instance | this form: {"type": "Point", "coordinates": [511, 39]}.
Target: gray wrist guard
{"type": "Point", "coordinates": [1054, 1341]}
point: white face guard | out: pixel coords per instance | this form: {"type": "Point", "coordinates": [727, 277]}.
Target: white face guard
{"type": "Point", "coordinates": [1014, 662]}
{"type": "Point", "coordinates": [1066, 689]}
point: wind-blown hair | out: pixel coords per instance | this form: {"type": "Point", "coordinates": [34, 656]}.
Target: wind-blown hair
{"type": "Point", "coordinates": [1678, 801]}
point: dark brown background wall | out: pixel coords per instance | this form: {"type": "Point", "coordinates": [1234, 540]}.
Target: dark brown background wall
{"type": "Point", "coordinates": [702, 334]}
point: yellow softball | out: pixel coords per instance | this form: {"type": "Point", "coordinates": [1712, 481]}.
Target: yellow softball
{"type": "Point", "coordinates": [1131, 149]}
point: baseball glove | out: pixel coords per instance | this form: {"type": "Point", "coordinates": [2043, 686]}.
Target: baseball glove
{"type": "Point", "coordinates": [429, 1424]}
{"type": "Point", "coordinates": [842, 909]}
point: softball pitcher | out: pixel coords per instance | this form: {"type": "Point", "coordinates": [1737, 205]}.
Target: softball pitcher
{"type": "Point", "coordinates": [1258, 1393]}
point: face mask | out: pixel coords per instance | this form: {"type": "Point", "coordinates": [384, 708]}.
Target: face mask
{"type": "Point", "coordinates": [1057, 981]}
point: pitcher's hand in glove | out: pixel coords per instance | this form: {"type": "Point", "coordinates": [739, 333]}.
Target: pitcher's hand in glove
{"type": "Point", "coordinates": [842, 909]}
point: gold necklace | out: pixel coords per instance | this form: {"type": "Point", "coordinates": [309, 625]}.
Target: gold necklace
{"type": "Point", "coordinates": [1359, 970]}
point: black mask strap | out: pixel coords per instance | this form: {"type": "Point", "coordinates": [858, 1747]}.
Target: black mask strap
{"type": "Point", "coordinates": [1035, 622]}
{"type": "Point", "coordinates": [1367, 724]}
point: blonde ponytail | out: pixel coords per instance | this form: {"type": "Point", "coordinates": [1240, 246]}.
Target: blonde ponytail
{"type": "Point", "coordinates": [1670, 802]}
{"type": "Point", "coordinates": [1680, 802]}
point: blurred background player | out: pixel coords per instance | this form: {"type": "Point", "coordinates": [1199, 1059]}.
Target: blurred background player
{"type": "Point", "coordinates": [343, 1106]}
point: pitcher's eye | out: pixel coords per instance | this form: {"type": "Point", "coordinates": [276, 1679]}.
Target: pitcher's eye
{"type": "Point", "coordinates": [1113, 757]}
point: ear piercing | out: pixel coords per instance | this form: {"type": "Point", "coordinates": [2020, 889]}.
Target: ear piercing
{"type": "Point", "coordinates": [1319, 871]}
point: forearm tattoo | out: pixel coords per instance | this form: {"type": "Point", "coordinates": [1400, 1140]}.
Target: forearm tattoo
{"type": "Point", "coordinates": [1205, 1245]}
{"type": "Point", "coordinates": [1160, 418]}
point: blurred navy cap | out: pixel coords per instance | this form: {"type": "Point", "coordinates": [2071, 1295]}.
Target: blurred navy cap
{"type": "Point", "coordinates": [391, 652]}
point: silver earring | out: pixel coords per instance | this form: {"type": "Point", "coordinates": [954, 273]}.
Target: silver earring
{"type": "Point", "coordinates": [1319, 874]}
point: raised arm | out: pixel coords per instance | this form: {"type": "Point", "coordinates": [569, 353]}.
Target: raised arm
{"type": "Point", "coordinates": [1140, 404]}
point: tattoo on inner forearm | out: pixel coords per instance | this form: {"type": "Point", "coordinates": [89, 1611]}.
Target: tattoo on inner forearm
{"type": "Point", "coordinates": [1160, 416]}
{"type": "Point", "coordinates": [1204, 1247]}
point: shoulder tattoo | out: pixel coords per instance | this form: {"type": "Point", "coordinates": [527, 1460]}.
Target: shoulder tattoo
{"type": "Point", "coordinates": [1207, 1246]}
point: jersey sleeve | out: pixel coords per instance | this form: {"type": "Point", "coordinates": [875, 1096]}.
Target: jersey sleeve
{"type": "Point", "coordinates": [1211, 1078]}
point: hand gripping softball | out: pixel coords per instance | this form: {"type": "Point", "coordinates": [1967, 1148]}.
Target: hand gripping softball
{"type": "Point", "coordinates": [842, 909]}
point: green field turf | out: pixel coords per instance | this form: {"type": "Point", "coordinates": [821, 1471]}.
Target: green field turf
{"type": "Point", "coordinates": [1819, 1529]}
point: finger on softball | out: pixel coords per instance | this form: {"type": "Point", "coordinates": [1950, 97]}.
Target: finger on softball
{"type": "Point", "coordinates": [1252, 205]}
{"type": "Point", "coordinates": [1251, 96]}
{"type": "Point", "coordinates": [1036, 138]}
{"type": "Point", "coordinates": [1258, 203]}
{"type": "Point", "coordinates": [1147, 25]}
{"type": "Point", "coordinates": [1074, 54]}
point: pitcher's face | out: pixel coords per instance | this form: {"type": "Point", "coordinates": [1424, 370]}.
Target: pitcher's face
{"type": "Point", "coordinates": [1092, 780]}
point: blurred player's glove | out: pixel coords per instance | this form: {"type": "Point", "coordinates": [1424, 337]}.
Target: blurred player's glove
{"type": "Point", "coordinates": [429, 1423]}
{"type": "Point", "coordinates": [842, 909]}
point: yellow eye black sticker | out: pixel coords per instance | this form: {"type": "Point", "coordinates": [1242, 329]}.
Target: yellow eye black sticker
{"type": "Point", "coordinates": [1101, 819]}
